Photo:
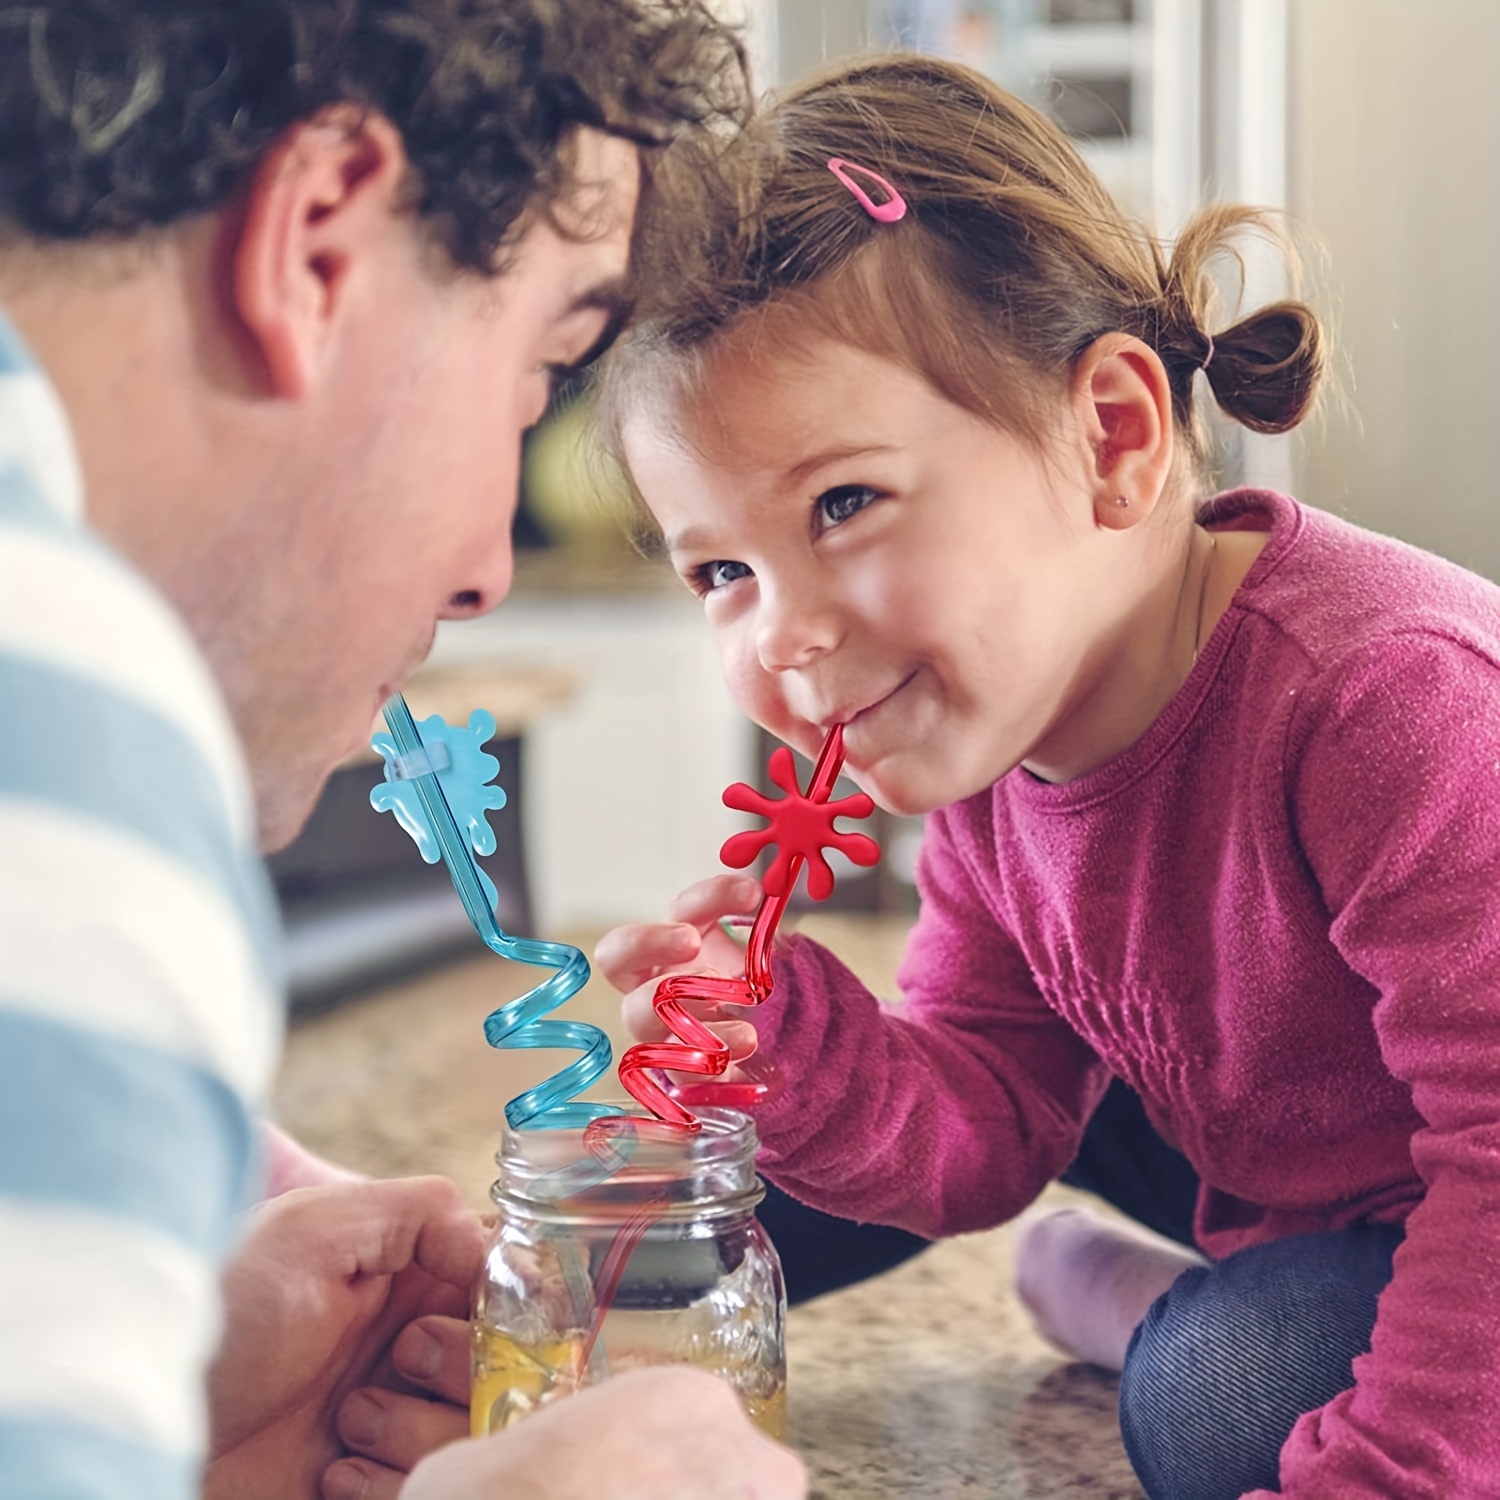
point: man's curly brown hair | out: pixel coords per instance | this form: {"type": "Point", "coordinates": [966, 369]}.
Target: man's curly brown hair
{"type": "Point", "coordinates": [119, 116]}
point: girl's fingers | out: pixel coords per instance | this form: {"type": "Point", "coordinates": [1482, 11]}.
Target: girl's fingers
{"type": "Point", "coordinates": [634, 958]}
{"type": "Point", "coordinates": [638, 952]}
{"type": "Point", "coordinates": [738, 1036]}
{"type": "Point", "coordinates": [640, 1017]}
{"type": "Point", "coordinates": [702, 905]}
{"type": "Point", "coordinates": [629, 956]}
{"type": "Point", "coordinates": [724, 1019]}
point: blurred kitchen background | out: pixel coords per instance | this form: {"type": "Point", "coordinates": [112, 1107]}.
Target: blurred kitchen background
{"type": "Point", "coordinates": [1374, 123]}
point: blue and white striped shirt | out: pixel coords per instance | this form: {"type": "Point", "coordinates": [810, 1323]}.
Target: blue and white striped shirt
{"type": "Point", "coordinates": [139, 1016]}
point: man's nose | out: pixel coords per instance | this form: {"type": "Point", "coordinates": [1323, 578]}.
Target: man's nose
{"type": "Point", "coordinates": [483, 583]}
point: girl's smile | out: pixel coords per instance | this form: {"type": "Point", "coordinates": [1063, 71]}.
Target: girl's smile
{"type": "Point", "coordinates": [849, 718]}
{"type": "Point", "coordinates": [869, 553]}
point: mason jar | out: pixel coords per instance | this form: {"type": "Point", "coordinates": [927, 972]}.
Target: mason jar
{"type": "Point", "coordinates": [636, 1246]}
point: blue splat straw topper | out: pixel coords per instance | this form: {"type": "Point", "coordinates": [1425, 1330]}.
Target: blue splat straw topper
{"type": "Point", "coordinates": [437, 779]}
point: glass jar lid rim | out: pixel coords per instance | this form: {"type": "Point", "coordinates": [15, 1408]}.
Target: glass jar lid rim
{"type": "Point", "coordinates": [726, 1140]}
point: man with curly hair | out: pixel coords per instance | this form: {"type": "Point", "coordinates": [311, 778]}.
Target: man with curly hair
{"type": "Point", "coordinates": [281, 286]}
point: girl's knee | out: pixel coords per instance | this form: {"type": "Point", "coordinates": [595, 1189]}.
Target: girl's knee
{"type": "Point", "coordinates": [1188, 1415]}
{"type": "Point", "coordinates": [1171, 1403]}
{"type": "Point", "coordinates": [1228, 1359]}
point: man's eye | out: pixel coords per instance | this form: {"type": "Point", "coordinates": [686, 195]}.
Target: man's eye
{"type": "Point", "coordinates": [836, 505]}
{"type": "Point", "coordinates": [707, 577]}
{"type": "Point", "coordinates": [558, 376]}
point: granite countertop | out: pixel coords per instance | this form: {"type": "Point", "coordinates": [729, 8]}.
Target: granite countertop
{"type": "Point", "coordinates": [927, 1381]}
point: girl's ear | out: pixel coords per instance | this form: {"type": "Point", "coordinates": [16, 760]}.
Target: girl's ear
{"type": "Point", "coordinates": [1123, 400]}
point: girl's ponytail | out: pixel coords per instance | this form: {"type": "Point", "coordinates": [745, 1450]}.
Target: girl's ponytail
{"type": "Point", "coordinates": [1264, 370]}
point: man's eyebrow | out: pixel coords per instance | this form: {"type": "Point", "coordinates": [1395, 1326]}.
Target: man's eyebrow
{"type": "Point", "coordinates": [612, 297]}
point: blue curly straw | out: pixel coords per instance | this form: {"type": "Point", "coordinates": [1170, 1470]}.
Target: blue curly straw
{"type": "Point", "coordinates": [428, 770]}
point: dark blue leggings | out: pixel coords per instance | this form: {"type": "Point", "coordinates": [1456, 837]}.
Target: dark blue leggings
{"type": "Point", "coordinates": [1224, 1363]}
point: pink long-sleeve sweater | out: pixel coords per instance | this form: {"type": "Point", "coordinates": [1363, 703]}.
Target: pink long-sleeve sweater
{"type": "Point", "coordinates": [1277, 916]}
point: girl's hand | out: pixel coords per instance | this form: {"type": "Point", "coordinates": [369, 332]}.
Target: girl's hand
{"type": "Point", "coordinates": [634, 958]}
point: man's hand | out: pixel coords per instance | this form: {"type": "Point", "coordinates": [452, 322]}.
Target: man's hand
{"type": "Point", "coordinates": [325, 1280]}
{"type": "Point", "coordinates": [671, 1433]}
{"type": "Point", "coordinates": [289, 1164]}
{"type": "Point", "coordinates": [388, 1430]}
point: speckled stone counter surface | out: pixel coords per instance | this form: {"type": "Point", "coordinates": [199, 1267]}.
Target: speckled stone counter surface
{"type": "Point", "coordinates": [927, 1381]}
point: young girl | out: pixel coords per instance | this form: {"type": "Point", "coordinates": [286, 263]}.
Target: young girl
{"type": "Point", "coordinates": [1213, 786]}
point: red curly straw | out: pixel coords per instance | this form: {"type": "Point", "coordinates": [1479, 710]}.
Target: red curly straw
{"type": "Point", "coordinates": [697, 1050]}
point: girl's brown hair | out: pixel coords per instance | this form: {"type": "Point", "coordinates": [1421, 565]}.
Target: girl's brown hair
{"type": "Point", "coordinates": [1011, 260]}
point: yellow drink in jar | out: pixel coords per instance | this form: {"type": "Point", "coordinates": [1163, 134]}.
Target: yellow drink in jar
{"type": "Point", "coordinates": [511, 1381]}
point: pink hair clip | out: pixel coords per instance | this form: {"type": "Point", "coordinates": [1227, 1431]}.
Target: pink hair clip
{"type": "Point", "coordinates": [885, 213]}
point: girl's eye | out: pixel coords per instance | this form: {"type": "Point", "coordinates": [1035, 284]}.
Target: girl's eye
{"type": "Point", "coordinates": [835, 506]}
{"type": "Point", "coordinates": [707, 577]}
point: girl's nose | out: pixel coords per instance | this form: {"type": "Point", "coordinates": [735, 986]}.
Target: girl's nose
{"type": "Point", "coordinates": [795, 627]}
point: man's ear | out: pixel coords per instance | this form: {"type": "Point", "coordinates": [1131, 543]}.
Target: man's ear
{"type": "Point", "coordinates": [323, 195]}
{"type": "Point", "coordinates": [1123, 399]}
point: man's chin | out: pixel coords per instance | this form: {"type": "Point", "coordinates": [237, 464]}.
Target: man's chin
{"type": "Point", "coordinates": [287, 789]}
{"type": "Point", "coordinates": [283, 807]}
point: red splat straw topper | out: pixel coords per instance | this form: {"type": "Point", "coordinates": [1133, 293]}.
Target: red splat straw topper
{"type": "Point", "coordinates": [801, 827]}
